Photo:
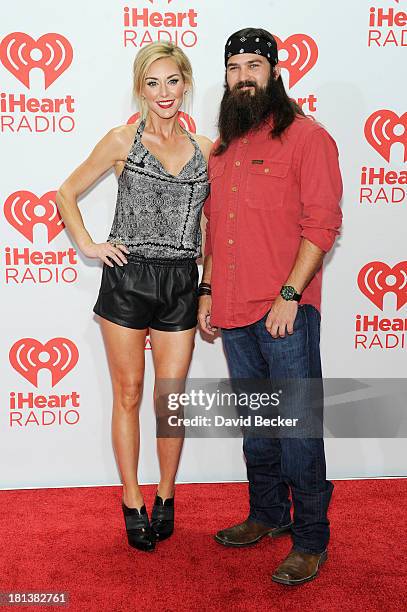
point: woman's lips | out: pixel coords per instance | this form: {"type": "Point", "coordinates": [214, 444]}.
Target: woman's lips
{"type": "Point", "coordinates": [165, 103]}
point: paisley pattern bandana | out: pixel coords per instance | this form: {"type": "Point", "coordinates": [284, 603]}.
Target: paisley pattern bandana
{"type": "Point", "coordinates": [236, 45]}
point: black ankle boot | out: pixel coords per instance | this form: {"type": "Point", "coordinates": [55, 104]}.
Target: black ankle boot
{"type": "Point", "coordinates": [139, 533]}
{"type": "Point", "coordinates": [162, 518]}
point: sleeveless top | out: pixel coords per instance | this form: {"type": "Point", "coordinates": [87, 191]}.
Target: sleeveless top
{"type": "Point", "coordinates": [158, 214]}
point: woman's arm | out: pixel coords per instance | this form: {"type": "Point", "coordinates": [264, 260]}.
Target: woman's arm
{"type": "Point", "coordinates": [110, 152]}
{"type": "Point", "coordinates": [205, 301]}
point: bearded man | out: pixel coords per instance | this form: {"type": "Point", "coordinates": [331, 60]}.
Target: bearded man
{"type": "Point", "coordinates": [272, 214]}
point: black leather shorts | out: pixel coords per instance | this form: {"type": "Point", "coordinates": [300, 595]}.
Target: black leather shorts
{"type": "Point", "coordinates": [157, 293]}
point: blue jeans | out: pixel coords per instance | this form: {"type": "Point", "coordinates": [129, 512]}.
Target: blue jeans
{"type": "Point", "coordinates": [274, 466]}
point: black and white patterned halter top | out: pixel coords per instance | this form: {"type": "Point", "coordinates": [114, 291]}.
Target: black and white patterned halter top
{"type": "Point", "coordinates": [158, 214]}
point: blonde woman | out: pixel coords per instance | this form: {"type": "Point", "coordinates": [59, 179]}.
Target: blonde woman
{"type": "Point", "coordinates": [149, 280]}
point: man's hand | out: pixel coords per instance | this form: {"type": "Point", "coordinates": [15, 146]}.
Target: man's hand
{"type": "Point", "coordinates": [281, 317]}
{"type": "Point", "coordinates": [204, 315]}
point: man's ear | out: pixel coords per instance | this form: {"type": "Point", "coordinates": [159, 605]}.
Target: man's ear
{"type": "Point", "coordinates": [277, 72]}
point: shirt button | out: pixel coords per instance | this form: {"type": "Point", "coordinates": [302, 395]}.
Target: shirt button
{"type": "Point", "coordinates": [232, 266]}
{"type": "Point", "coordinates": [245, 141]}
{"type": "Point", "coordinates": [266, 170]}
{"type": "Point", "coordinates": [230, 241]}
{"type": "Point", "coordinates": [231, 215]}
{"type": "Point", "coordinates": [237, 163]}
{"type": "Point", "coordinates": [234, 188]}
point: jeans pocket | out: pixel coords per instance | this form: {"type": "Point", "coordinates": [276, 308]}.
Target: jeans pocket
{"type": "Point", "coordinates": [300, 318]}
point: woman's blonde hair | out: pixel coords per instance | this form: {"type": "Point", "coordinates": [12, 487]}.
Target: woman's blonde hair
{"type": "Point", "coordinates": [149, 54]}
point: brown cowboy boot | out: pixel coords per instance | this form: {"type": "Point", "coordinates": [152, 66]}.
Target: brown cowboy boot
{"type": "Point", "coordinates": [299, 567]}
{"type": "Point", "coordinates": [249, 533]}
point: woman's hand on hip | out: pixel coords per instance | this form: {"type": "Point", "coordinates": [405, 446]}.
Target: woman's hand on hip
{"type": "Point", "coordinates": [106, 251]}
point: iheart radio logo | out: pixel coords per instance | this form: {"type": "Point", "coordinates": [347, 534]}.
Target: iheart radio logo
{"type": "Point", "coordinates": [377, 278]}
{"type": "Point", "coordinates": [23, 210]}
{"type": "Point", "coordinates": [19, 54]}
{"type": "Point", "coordinates": [184, 120]}
{"type": "Point", "coordinates": [302, 56]}
{"type": "Point", "coordinates": [59, 356]}
{"type": "Point", "coordinates": [383, 128]}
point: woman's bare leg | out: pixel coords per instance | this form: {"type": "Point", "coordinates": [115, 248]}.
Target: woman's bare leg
{"type": "Point", "coordinates": [125, 352]}
{"type": "Point", "coordinates": [172, 353]}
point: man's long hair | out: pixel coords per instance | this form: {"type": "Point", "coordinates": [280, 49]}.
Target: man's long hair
{"type": "Point", "coordinates": [281, 109]}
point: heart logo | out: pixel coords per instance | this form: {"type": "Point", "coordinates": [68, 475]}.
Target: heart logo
{"type": "Point", "coordinates": [376, 279]}
{"type": "Point", "coordinates": [383, 128]}
{"type": "Point", "coordinates": [23, 210]}
{"type": "Point", "coordinates": [19, 54]}
{"type": "Point", "coordinates": [28, 356]}
{"type": "Point", "coordinates": [302, 56]}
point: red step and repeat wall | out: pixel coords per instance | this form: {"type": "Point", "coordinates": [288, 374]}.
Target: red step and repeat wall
{"type": "Point", "coordinates": [65, 74]}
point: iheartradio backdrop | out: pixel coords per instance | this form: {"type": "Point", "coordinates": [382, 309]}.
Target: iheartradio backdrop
{"type": "Point", "coordinates": [65, 75]}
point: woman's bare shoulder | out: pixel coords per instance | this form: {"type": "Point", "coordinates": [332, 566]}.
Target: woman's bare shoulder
{"type": "Point", "coordinates": [122, 135]}
{"type": "Point", "coordinates": [204, 143]}
{"type": "Point", "coordinates": [118, 140]}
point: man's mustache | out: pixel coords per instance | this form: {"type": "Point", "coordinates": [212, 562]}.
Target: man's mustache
{"type": "Point", "coordinates": [242, 84]}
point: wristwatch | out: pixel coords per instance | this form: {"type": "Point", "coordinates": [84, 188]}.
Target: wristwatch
{"type": "Point", "coordinates": [289, 293]}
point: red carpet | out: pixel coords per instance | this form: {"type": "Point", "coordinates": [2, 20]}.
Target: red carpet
{"type": "Point", "coordinates": [73, 540]}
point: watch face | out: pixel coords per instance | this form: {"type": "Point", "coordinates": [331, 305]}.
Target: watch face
{"type": "Point", "coordinates": [287, 292]}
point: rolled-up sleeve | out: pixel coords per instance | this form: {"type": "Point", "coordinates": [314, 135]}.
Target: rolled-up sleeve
{"type": "Point", "coordinates": [321, 190]}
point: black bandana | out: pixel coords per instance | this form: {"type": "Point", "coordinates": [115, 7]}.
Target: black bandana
{"type": "Point", "coordinates": [252, 44]}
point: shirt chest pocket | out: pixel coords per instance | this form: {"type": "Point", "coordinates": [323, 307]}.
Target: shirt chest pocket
{"type": "Point", "coordinates": [216, 183]}
{"type": "Point", "coordinates": [267, 184]}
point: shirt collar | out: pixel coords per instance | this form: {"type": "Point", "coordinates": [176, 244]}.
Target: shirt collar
{"type": "Point", "coordinates": [266, 125]}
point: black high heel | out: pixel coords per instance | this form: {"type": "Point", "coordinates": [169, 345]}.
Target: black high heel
{"type": "Point", "coordinates": [162, 518]}
{"type": "Point", "coordinates": [139, 533]}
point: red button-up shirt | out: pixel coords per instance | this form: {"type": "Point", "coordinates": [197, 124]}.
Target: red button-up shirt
{"type": "Point", "coordinates": [266, 194]}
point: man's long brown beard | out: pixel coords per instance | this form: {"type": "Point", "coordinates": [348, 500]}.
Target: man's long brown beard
{"type": "Point", "coordinates": [241, 111]}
